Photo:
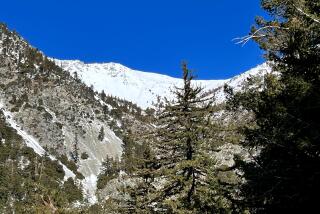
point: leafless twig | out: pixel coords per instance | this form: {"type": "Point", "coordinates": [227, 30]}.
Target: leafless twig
{"type": "Point", "coordinates": [257, 34]}
{"type": "Point", "coordinates": [307, 15]}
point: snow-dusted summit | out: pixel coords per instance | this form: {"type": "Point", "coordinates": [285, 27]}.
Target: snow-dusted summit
{"type": "Point", "coordinates": [141, 88]}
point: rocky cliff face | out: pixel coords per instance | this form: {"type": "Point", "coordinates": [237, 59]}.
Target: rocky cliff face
{"type": "Point", "coordinates": [61, 113]}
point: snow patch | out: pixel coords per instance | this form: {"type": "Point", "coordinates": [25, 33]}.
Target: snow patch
{"type": "Point", "coordinates": [90, 185]}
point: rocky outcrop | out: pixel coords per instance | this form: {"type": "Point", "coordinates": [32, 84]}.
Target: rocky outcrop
{"type": "Point", "coordinates": [60, 112]}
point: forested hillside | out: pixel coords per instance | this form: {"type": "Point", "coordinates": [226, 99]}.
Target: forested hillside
{"type": "Point", "coordinates": [103, 138]}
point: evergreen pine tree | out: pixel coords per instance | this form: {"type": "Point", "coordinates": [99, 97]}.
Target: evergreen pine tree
{"type": "Point", "coordinates": [75, 151]}
{"type": "Point", "coordinates": [144, 165]}
{"type": "Point", "coordinates": [285, 175]}
{"type": "Point", "coordinates": [110, 170]}
{"type": "Point", "coordinates": [101, 134]}
{"type": "Point", "coordinates": [103, 95]}
{"type": "Point", "coordinates": [177, 178]}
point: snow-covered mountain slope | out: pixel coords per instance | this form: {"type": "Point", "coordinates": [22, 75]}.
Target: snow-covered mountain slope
{"type": "Point", "coordinates": [238, 81]}
{"type": "Point", "coordinates": [53, 112]}
{"type": "Point", "coordinates": [142, 88]}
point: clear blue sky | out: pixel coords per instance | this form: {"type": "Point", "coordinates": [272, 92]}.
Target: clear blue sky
{"type": "Point", "coordinates": [148, 35]}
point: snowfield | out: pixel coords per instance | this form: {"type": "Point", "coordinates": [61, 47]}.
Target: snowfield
{"type": "Point", "coordinates": [141, 88]}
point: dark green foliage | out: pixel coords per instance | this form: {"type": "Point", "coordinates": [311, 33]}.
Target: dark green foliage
{"type": "Point", "coordinates": [178, 175]}
{"type": "Point", "coordinates": [30, 183]}
{"type": "Point", "coordinates": [144, 167]}
{"type": "Point", "coordinates": [75, 152]}
{"type": "Point", "coordinates": [285, 175]}
{"type": "Point", "coordinates": [73, 192]}
{"type": "Point", "coordinates": [69, 163]}
{"type": "Point", "coordinates": [84, 156]}
{"type": "Point", "coordinates": [132, 153]}
{"type": "Point", "coordinates": [109, 206]}
{"type": "Point", "coordinates": [101, 134]}
{"type": "Point", "coordinates": [103, 95]}
{"type": "Point", "coordinates": [110, 170]}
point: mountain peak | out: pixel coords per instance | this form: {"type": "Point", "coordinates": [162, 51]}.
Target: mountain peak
{"type": "Point", "coordinates": [103, 65]}
{"type": "Point", "coordinates": [141, 88]}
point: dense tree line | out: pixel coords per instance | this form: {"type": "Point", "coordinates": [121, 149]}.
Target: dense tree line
{"type": "Point", "coordinates": [284, 176]}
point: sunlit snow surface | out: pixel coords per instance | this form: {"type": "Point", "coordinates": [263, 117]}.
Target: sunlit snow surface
{"type": "Point", "coordinates": [141, 88]}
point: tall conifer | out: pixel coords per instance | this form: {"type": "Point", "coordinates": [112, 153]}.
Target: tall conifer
{"type": "Point", "coordinates": [179, 177]}
{"type": "Point", "coordinates": [285, 174]}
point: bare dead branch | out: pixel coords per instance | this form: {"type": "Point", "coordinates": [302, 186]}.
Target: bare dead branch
{"type": "Point", "coordinates": [257, 34]}
{"type": "Point", "coordinates": [307, 15]}
{"type": "Point", "coordinates": [49, 204]}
